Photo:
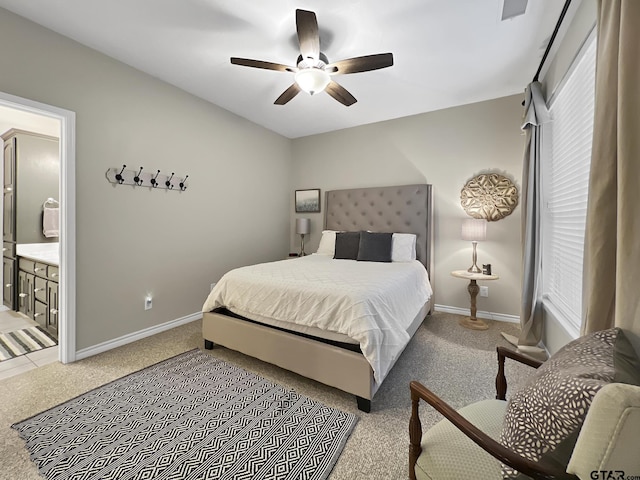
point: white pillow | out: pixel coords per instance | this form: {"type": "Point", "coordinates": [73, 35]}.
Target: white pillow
{"type": "Point", "coordinates": [403, 247]}
{"type": "Point", "coordinates": [327, 243]}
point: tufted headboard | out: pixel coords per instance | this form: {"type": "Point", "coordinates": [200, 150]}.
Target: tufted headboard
{"type": "Point", "coordinates": [400, 209]}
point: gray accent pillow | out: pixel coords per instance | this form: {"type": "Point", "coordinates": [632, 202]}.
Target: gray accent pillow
{"type": "Point", "coordinates": [347, 245]}
{"type": "Point", "coordinates": [544, 418]}
{"type": "Point", "coordinates": [375, 247]}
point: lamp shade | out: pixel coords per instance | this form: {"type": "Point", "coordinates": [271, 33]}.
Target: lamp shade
{"type": "Point", "coordinates": [302, 225]}
{"type": "Point", "coordinates": [474, 229]}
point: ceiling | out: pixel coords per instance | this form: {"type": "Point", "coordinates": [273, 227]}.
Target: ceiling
{"type": "Point", "coordinates": [446, 52]}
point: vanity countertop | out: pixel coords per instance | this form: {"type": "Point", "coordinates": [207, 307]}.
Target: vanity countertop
{"type": "Point", "coordinates": [40, 252]}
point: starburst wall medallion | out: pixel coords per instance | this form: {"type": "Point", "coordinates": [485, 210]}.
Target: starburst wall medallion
{"type": "Point", "coordinates": [490, 196]}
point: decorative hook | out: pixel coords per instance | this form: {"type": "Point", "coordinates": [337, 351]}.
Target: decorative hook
{"type": "Point", "coordinates": [182, 185]}
{"type": "Point", "coordinates": [137, 178]}
{"type": "Point", "coordinates": [168, 183]}
{"type": "Point", "coordinates": [119, 176]}
{"type": "Point", "coordinates": [154, 182]}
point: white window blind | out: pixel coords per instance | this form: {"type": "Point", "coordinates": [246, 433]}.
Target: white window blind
{"type": "Point", "coordinates": [565, 184]}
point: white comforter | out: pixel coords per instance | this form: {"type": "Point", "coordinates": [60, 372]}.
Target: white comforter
{"type": "Point", "coordinates": [373, 303]}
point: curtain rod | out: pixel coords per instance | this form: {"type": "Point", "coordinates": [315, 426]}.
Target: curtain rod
{"type": "Point", "coordinates": [553, 37]}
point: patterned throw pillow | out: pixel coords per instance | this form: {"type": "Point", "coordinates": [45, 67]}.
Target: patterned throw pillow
{"type": "Point", "coordinates": [544, 418]}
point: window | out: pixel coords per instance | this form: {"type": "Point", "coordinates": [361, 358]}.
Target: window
{"type": "Point", "coordinates": [565, 182]}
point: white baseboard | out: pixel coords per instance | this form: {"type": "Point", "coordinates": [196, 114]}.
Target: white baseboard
{"type": "Point", "coordinates": [499, 317]}
{"type": "Point", "coordinates": [139, 335]}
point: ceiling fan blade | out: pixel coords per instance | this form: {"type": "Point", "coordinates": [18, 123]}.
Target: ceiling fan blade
{"type": "Point", "coordinates": [308, 36]}
{"type": "Point", "coordinates": [340, 93]}
{"type": "Point", "coordinates": [288, 94]}
{"type": "Point", "coordinates": [360, 64]}
{"type": "Point", "coordinates": [246, 62]}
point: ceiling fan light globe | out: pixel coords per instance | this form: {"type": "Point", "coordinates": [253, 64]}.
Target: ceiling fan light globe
{"type": "Point", "coordinates": [312, 80]}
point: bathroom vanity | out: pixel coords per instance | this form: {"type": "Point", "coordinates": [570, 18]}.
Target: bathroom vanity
{"type": "Point", "coordinates": [38, 276]}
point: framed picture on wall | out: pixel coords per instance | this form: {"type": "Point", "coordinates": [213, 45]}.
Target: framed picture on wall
{"type": "Point", "coordinates": [308, 201]}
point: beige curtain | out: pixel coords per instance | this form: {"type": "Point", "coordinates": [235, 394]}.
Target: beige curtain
{"type": "Point", "coordinates": [612, 237]}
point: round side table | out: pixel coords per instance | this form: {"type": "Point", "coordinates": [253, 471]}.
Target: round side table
{"type": "Point", "coordinates": [472, 322]}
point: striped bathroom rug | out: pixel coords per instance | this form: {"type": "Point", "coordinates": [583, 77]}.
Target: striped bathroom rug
{"type": "Point", "coordinates": [23, 341]}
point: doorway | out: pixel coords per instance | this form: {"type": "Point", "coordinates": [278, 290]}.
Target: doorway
{"type": "Point", "coordinates": [65, 120]}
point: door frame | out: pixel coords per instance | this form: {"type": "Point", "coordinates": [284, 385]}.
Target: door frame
{"type": "Point", "coordinates": [67, 186]}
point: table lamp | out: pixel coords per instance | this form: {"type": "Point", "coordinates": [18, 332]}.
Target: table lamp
{"type": "Point", "coordinates": [302, 228]}
{"type": "Point", "coordinates": [475, 230]}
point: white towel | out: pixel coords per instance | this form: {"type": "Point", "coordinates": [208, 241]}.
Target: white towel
{"type": "Point", "coordinates": [51, 222]}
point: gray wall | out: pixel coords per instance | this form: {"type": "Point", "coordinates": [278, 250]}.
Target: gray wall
{"type": "Point", "coordinates": [131, 242]}
{"type": "Point", "coordinates": [582, 23]}
{"type": "Point", "coordinates": [239, 206]}
{"type": "Point", "coordinates": [445, 148]}
{"type": "Point", "coordinates": [37, 178]}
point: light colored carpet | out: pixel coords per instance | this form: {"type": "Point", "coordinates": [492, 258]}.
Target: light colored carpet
{"type": "Point", "coordinates": [456, 363]}
{"type": "Point", "coordinates": [192, 416]}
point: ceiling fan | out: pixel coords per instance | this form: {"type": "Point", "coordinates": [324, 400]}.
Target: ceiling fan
{"type": "Point", "coordinates": [313, 71]}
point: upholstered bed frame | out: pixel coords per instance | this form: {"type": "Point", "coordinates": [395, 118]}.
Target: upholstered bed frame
{"type": "Point", "coordinates": [401, 209]}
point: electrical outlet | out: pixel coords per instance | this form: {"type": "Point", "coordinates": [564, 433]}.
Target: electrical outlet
{"type": "Point", "coordinates": [148, 303]}
{"type": "Point", "coordinates": [213, 285]}
{"type": "Point", "coordinates": [484, 291]}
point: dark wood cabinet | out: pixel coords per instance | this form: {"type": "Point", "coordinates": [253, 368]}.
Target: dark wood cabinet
{"type": "Point", "coordinates": [25, 156]}
{"type": "Point", "coordinates": [9, 188]}
{"type": "Point", "coordinates": [52, 307]}
{"type": "Point", "coordinates": [38, 293]}
{"type": "Point", "coordinates": [8, 226]}
{"type": "Point", "coordinates": [25, 293]}
{"type": "Point", "coordinates": [9, 288]}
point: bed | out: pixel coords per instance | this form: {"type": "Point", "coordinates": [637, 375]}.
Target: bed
{"type": "Point", "coordinates": [295, 329]}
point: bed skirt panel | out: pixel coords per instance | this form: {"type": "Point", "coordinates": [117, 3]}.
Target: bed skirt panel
{"type": "Point", "coordinates": [333, 366]}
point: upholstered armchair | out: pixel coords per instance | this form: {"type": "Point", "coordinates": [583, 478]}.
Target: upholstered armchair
{"type": "Point", "coordinates": [470, 443]}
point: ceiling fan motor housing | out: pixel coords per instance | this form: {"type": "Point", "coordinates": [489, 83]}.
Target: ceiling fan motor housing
{"type": "Point", "coordinates": [310, 62]}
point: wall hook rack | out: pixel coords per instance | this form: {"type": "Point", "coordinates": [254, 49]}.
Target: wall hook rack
{"type": "Point", "coordinates": [141, 178]}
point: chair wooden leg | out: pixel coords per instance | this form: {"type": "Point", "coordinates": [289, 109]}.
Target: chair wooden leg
{"type": "Point", "coordinates": [415, 436]}
{"type": "Point", "coordinates": [501, 379]}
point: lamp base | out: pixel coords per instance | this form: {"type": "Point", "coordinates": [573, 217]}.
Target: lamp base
{"type": "Point", "coordinates": [301, 254]}
{"type": "Point", "coordinates": [473, 324]}
{"type": "Point", "coordinates": [474, 258]}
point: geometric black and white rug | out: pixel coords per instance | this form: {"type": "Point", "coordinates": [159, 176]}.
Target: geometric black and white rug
{"type": "Point", "coordinates": [189, 417]}
{"type": "Point", "coordinates": [23, 341]}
